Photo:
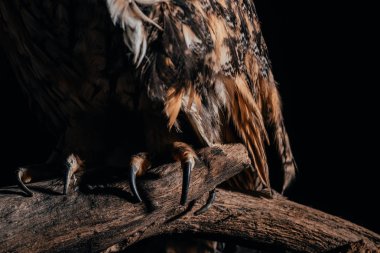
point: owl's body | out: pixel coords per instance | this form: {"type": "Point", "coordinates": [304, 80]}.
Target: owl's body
{"type": "Point", "coordinates": [204, 64]}
{"type": "Point", "coordinates": [148, 76]}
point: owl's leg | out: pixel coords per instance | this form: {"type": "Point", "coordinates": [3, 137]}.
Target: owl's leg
{"type": "Point", "coordinates": [139, 164]}
{"type": "Point", "coordinates": [185, 154]}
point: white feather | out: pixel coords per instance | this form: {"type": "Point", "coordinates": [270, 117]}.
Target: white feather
{"type": "Point", "coordinates": [131, 19]}
{"type": "Point", "coordinates": [190, 38]}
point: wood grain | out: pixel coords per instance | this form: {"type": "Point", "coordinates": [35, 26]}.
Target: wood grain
{"type": "Point", "coordinates": [108, 220]}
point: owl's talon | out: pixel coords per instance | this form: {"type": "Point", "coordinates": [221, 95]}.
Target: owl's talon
{"type": "Point", "coordinates": [72, 166]}
{"type": "Point", "coordinates": [40, 171]}
{"type": "Point", "coordinates": [187, 166]}
{"type": "Point", "coordinates": [132, 182]}
{"type": "Point", "coordinates": [186, 155]}
{"type": "Point", "coordinates": [21, 177]}
{"type": "Point", "coordinates": [138, 165]}
{"type": "Point", "coordinates": [210, 201]}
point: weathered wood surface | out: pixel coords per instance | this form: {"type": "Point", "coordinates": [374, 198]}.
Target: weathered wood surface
{"type": "Point", "coordinates": [108, 220]}
{"type": "Point", "coordinates": [276, 223]}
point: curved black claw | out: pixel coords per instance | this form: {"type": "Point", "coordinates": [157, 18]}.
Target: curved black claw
{"type": "Point", "coordinates": [187, 167]}
{"type": "Point", "coordinates": [20, 174]}
{"type": "Point", "coordinates": [132, 182]}
{"type": "Point", "coordinates": [210, 201]}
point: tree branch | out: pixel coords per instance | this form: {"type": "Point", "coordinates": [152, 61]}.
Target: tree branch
{"type": "Point", "coordinates": [109, 221]}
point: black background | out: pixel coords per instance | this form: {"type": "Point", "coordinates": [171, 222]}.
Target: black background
{"type": "Point", "coordinates": [326, 67]}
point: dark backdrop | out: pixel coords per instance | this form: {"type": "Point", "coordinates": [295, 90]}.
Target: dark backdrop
{"type": "Point", "coordinates": [321, 58]}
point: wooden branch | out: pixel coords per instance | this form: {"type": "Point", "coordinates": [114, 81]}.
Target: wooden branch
{"type": "Point", "coordinates": [106, 221]}
{"type": "Point", "coordinates": [275, 223]}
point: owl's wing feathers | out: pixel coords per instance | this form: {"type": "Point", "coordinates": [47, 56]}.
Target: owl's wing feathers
{"type": "Point", "coordinates": [34, 54]}
{"type": "Point", "coordinates": [62, 54]}
{"type": "Point", "coordinates": [210, 63]}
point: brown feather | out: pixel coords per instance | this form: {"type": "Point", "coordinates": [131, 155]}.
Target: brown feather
{"type": "Point", "coordinates": [173, 105]}
{"type": "Point", "coordinates": [249, 125]}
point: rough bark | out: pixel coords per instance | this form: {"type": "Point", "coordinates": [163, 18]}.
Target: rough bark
{"type": "Point", "coordinates": [108, 220]}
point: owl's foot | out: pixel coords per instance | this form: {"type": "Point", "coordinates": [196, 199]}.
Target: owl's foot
{"type": "Point", "coordinates": [185, 154]}
{"type": "Point", "coordinates": [46, 170]}
{"type": "Point", "coordinates": [139, 164]}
